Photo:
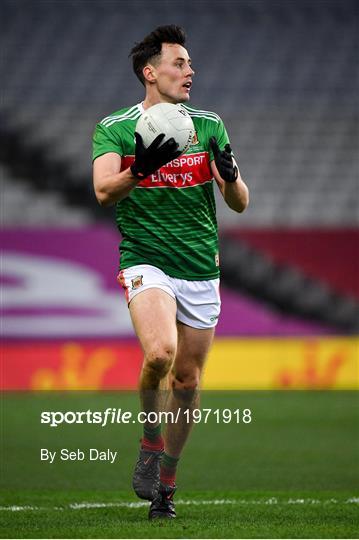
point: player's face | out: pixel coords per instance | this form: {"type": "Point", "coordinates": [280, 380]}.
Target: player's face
{"type": "Point", "coordinates": [173, 74]}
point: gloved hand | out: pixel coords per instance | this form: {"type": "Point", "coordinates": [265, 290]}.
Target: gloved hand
{"type": "Point", "coordinates": [149, 160]}
{"type": "Point", "coordinates": [223, 161]}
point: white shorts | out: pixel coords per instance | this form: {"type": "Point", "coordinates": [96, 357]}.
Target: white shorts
{"type": "Point", "coordinates": [198, 302]}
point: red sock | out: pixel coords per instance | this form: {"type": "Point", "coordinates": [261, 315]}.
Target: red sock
{"type": "Point", "coordinates": [154, 445]}
{"type": "Point", "coordinates": [168, 476]}
{"type": "Point", "coordinates": [168, 470]}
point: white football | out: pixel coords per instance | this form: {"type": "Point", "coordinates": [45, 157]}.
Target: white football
{"type": "Point", "coordinates": [171, 119]}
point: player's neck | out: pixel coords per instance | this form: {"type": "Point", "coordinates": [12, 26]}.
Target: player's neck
{"type": "Point", "coordinates": [154, 99]}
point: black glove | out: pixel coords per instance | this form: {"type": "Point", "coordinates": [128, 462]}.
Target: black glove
{"type": "Point", "coordinates": [149, 160]}
{"type": "Point", "coordinates": [223, 161]}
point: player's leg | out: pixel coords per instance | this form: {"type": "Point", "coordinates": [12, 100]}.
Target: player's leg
{"type": "Point", "coordinates": [153, 313]}
{"type": "Point", "coordinates": [192, 348]}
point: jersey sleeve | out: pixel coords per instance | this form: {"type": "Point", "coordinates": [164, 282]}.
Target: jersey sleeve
{"type": "Point", "coordinates": [105, 141]}
{"type": "Point", "coordinates": [219, 131]}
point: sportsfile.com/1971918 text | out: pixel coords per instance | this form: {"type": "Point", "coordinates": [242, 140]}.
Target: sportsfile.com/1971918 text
{"type": "Point", "coordinates": [113, 415]}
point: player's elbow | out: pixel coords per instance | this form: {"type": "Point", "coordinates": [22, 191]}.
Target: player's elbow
{"type": "Point", "coordinates": [239, 208]}
{"type": "Point", "coordinates": [239, 204]}
{"type": "Point", "coordinates": [243, 203]}
{"type": "Point", "coordinates": [244, 199]}
{"type": "Point", "coordinates": [103, 198]}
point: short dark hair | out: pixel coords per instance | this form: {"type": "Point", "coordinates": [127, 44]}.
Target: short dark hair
{"type": "Point", "coordinates": [151, 46]}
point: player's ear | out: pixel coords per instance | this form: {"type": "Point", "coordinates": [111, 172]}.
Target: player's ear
{"type": "Point", "coordinates": [149, 73]}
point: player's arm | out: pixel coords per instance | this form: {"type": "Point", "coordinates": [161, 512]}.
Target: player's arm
{"type": "Point", "coordinates": [110, 183]}
{"type": "Point", "coordinates": [226, 173]}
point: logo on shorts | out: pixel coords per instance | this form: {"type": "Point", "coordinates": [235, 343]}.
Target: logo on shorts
{"type": "Point", "coordinates": [213, 318]}
{"type": "Point", "coordinates": [137, 282]}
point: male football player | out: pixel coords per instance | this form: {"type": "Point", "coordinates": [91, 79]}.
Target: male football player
{"type": "Point", "coordinates": [169, 261]}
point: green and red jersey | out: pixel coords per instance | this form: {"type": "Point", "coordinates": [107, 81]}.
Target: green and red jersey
{"type": "Point", "coordinates": [169, 219]}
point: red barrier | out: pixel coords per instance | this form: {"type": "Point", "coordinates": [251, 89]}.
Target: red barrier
{"type": "Point", "coordinates": [330, 255]}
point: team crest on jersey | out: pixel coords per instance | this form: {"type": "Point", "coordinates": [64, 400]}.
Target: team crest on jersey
{"type": "Point", "coordinates": [194, 139]}
{"type": "Point", "coordinates": [137, 282]}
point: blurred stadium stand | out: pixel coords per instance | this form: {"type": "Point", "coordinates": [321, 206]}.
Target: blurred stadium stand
{"type": "Point", "coordinates": [21, 203]}
{"type": "Point", "coordinates": [283, 75]}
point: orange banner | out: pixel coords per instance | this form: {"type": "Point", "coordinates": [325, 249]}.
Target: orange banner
{"type": "Point", "coordinates": [313, 363]}
{"type": "Point", "coordinates": [71, 366]}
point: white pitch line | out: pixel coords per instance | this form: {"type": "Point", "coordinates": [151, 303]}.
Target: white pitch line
{"type": "Point", "coordinates": [79, 506]}
{"type": "Point", "coordinates": [194, 502]}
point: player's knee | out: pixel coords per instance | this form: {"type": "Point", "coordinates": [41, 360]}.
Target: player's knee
{"type": "Point", "coordinates": [186, 381]}
{"type": "Point", "coordinates": [185, 389]}
{"type": "Point", "coordinates": [159, 361]}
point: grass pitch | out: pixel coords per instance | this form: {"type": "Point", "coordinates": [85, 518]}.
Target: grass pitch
{"type": "Point", "coordinates": [292, 472]}
{"type": "Point", "coordinates": [200, 515]}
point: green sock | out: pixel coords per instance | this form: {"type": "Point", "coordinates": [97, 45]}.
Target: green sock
{"type": "Point", "coordinates": [152, 433]}
{"type": "Point", "coordinates": [168, 470]}
{"type": "Point", "coordinates": [169, 462]}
